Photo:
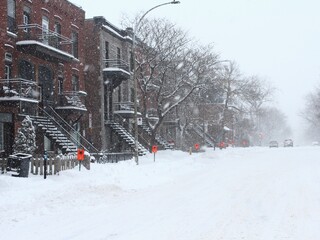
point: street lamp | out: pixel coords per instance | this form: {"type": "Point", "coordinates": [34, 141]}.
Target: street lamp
{"type": "Point", "coordinates": [136, 27]}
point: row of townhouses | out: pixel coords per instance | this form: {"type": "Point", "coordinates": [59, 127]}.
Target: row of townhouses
{"type": "Point", "coordinates": [70, 74]}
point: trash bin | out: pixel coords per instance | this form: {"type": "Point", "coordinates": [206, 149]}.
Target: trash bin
{"type": "Point", "coordinates": [19, 163]}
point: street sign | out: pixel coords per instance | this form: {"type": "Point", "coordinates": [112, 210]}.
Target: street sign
{"type": "Point", "coordinates": [197, 146]}
{"type": "Point", "coordinates": [154, 148]}
{"type": "Point", "coordinates": [80, 154]}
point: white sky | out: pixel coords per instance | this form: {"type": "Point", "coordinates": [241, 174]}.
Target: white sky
{"type": "Point", "coordinates": [276, 40]}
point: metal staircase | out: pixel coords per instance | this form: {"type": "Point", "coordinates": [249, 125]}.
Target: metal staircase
{"type": "Point", "coordinates": [208, 139]}
{"type": "Point", "coordinates": [58, 131]}
{"type": "Point", "coordinates": [53, 133]}
{"type": "Point", "coordinates": [126, 136]}
{"type": "Point", "coordinates": [160, 140]}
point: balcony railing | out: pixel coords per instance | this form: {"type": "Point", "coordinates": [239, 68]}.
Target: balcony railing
{"type": "Point", "coordinates": [44, 41]}
{"type": "Point", "coordinates": [19, 89]}
{"type": "Point", "coordinates": [124, 109]}
{"type": "Point", "coordinates": [117, 70]}
{"type": "Point", "coordinates": [117, 63]}
{"type": "Point", "coordinates": [123, 106]}
{"type": "Point", "coordinates": [46, 36]}
{"type": "Point", "coordinates": [71, 100]}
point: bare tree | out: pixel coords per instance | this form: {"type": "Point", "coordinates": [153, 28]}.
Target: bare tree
{"type": "Point", "coordinates": [273, 124]}
{"type": "Point", "coordinates": [255, 94]}
{"type": "Point", "coordinates": [231, 84]}
{"type": "Point", "coordinates": [170, 69]}
{"type": "Point", "coordinates": [311, 114]}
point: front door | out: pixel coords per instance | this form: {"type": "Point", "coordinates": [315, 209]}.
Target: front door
{"type": "Point", "coordinates": [6, 133]}
{"type": "Point", "coordinates": [46, 84]}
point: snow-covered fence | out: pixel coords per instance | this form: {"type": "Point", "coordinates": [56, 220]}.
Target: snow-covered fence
{"type": "Point", "coordinates": [55, 164]}
{"type": "Point", "coordinates": [114, 157]}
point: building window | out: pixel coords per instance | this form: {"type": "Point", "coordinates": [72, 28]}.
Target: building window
{"type": "Point", "coordinates": [26, 18]}
{"type": "Point", "coordinates": [132, 95]}
{"type": "Point", "coordinates": [45, 30]}
{"type": "Point", "coordinates": [26, 70]}
{"type": "Point", "coordinates": [7, 71]}
{"type": "Point", "coordinates": [11, 15]}
{"type": "Point", "coordinates": [57, 38]}
{"type": "Point", "coordinates": [131, 61]}
{"type": "Point", "coordinates": [5, 119]}
{"type": "Point", "coordinates": [75, 43]}
{"type": "Point", "coordinates": [107, 53]}
{"type": "Point", "coordinates": [1, 136]}
{"type": "Point", "coordinates": [75, 83]}
{"type": "Point", "coordinates": [60, 85]}
{"type": "Point", "coordinates": [118, 56]}
{"type": "Point", "coordinates": [8, 57]}
{"type": "Point", "coordinates": [57, 28]}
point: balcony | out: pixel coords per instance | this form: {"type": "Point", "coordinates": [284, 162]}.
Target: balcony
{"type": "Point", "coordinates": [71, 100]}
{"type": "Point", "coordinates": [125, 109]}
{"type": "Point", "coordinates": [19, 90]}
{"type": "Point", "coordinates": [43, 43]}
{"type": "Point", "coordinates": [116, 71]}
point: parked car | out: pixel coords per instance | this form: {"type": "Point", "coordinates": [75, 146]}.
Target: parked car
{"type": "Point", "coordinates": [288, 143]}
{"type": "Point", "coordinates": [273, 144]}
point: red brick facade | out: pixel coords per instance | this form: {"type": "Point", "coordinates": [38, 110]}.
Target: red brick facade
{"type": "Point", "coordinates": [41, 45]}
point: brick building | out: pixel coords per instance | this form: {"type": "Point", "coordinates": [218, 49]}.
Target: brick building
{"type": "Point", "coordinates": [41, 73]}
{"type": "Point", "coordinates": [110, 91]}
{"type": "Point", "coordinates": [110, 101]}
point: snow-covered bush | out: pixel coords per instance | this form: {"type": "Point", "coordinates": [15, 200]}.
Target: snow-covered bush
{"type": "Point", "coordinates": [25, 141]}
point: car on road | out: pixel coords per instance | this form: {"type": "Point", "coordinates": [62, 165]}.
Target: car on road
{"type": "Point", "coordinates": [288, 143]}
{"type": "Point", "coordinates": [273, 144]}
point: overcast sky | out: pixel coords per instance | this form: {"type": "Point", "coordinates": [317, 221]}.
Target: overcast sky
{"type": "Point", "coordinates": [277, 40]}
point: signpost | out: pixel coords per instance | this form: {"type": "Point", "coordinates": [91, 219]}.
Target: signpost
{"type": "Point", "coordinates": [154, 150]}
{"type": "Point", "coordinates": [45, 159]}
{"type": "Point", "coordinates": [197, 146]}
{"type": "Point", "coordinates": [80, 157]}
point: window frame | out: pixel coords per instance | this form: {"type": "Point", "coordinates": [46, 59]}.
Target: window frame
{"type": "Point", "coordinates": [7, 71]}
{"type": "Point", "coordinates": [26, 18]}
{"type": "Point", "coordinates": [11, 15]}
{"type": "Point", "coordinates": [75, 44]}
{"type": "Point", "coordinates": [45, 25]}
{"type": "Point", "coordinates": [75, 83]}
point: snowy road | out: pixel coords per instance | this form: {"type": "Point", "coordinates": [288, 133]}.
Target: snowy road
{"type": "Point", "coordinates": [253, 193]}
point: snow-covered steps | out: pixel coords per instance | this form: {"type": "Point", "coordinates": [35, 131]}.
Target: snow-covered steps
{"type": "Point", "coordinates": [127, 137]}
{"type": "Point", "coordinates": [160, 140]}
{"type": "Point", "coordinates": [52, 132]}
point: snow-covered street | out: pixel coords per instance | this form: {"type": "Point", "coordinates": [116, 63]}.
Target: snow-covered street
{"type": "Point", "coordinates": [238, 193]}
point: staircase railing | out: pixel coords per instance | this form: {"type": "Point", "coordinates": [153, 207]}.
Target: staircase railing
{"type": "Point", "coordinates": [202, 134]}
{"type": "Point", "coordinates": [65, 131]}
{"type": "Point", "coordinates": [141, 138]}
{"type": "Point", "coordinates": [159, 139]}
